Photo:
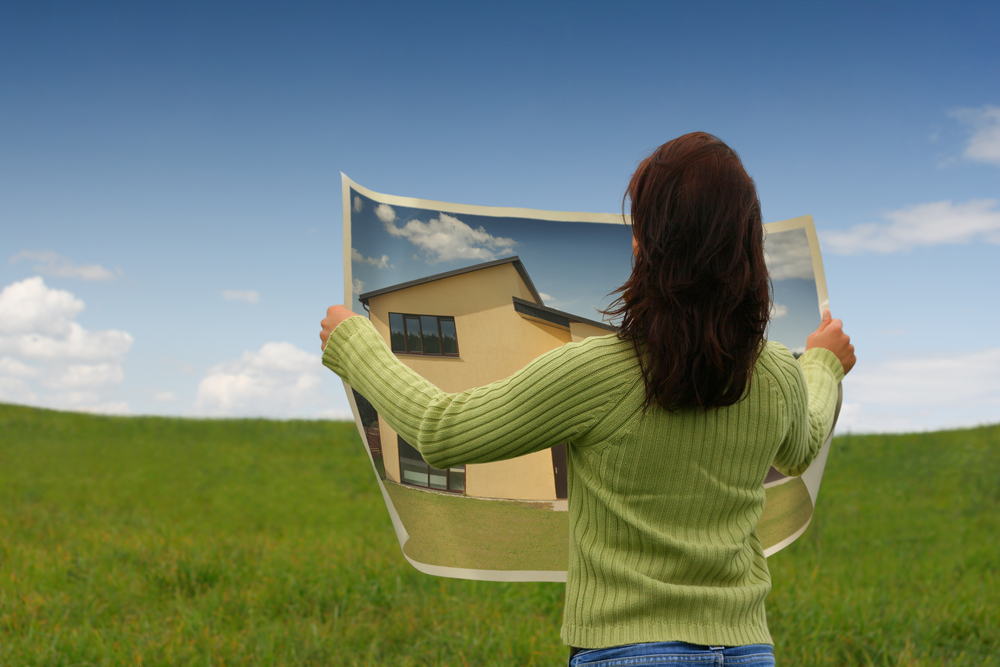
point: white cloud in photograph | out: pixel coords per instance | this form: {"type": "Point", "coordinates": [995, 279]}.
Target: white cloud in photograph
{"type": "Point", "coordinates": [553, 302]}
{"type": "Point", "coordinates": [358, 204]}
{"type": "Point", "coordinates": [357, 286]}
{"type": "Point", "coordinates": [385, 213]}
{"type": "Point", "coordinates": [165, 397]}
{"type": "Point", "coordinates": [248, 296]}
{"type": "Point", "coordinates": [923, 392]}
{"type": "Point", "coordinates": [787, 255]}
{"type": "Point", "coordinates": [934, 223]}
{"type": "Point", "coordinates": [984, 142]}
{"type": "Point", "coordinates": [446, 238]}
{"type": "Point", "coordinates": [778, 310]}
{"type": "Point", "coordinates": [279, 380]}
{"type": "Point", "coordinates": [48, 359]}
{"type": "Point", "coordinates": [49, 263]}
{"type": "Point", "coordinates": [380, 263]}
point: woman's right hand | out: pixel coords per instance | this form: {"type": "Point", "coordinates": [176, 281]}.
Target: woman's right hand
{"type": "Point", "coordinates": [830, 335]}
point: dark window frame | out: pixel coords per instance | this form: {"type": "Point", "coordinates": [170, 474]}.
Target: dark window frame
{"type": "Point", "coordinates": [407, 457]}
{"type": "Point", "coordinates": [404, 317]}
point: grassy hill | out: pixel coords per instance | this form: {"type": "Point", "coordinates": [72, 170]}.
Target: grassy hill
{"type": "Point", "coordinates": [156, 541]}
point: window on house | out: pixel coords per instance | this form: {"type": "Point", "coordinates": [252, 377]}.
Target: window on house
{"type": "Point", "coordinates": [414, 470]}
{"type": "Point", "coordinates": [432, 335]}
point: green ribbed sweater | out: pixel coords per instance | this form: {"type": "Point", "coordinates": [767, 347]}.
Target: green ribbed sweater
{"type": "Point", "coordinates": [662, 506]}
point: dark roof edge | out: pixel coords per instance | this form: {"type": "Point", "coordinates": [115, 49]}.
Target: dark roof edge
{"type": "Point", "coordinates": [569, 316]}
{"type": "Point", "coordinates": [518, 266]}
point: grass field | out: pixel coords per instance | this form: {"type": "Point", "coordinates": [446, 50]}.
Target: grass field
{"type": "Point", "coordinates": [158, 541]}
{"type": "Point", "coordinates": [474, 533]}
{"type": "Point", "coordinates": [455, 531]}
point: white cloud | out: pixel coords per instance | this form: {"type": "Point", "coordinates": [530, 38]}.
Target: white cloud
{"type": "Point", "coordinates": [12, 368]}
{"type": "Point", "coordinates": [31, 307]}
{"type": "Point", "coordinates": [249, 296]}
{"type": "Point", "coordinates": [934, 223]}
{"type": "Point", "coordinates": [446, 238]}
{"type": "Point", "coordinates": [553, 302]}
{"type": "Point", "coordinates": [787, 255]}
{"type": "Point", "coordinates": [49, 359]}
{"type": "Point", "coordinates": [358, 204]}
{"type": "Point", "coordinates": [50, 264]}
{"type": "Point", "coordinates": [381, 263]}
{"type": "Point", "coordinates": [984, 144]}
{"type": "Point", "coordinates": [164, 397]}
{"type": "Point", "coordinates": [336, 414]}
{"type": "Point", "coordinates": [385, 213]}
{"type": "Point", "coordinates": [357, 286]}
{"type": "Point", "coordinates": [85, 376]}
{"type": "Point", "coordinates": [279, 380]}
{"type": "Point", "coordinates": [778, 310]}
{"type": "Point", "coordinates": [923, 392]}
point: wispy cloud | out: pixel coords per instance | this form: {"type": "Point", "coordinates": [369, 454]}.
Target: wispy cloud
{"type": "Point", "coordinates": [934, 223]}
{"type": "Point", "coordinates": [381, 263]}
{"type": "Point", "coordinates": [446, 238]}
{"type": "Point", "coordinates": [358, 204]}
{"type": "Point", "coordinates": [984, 142]}
{"type": "Point", "coordinates": [787, 255]}
{"type": "Point", "coordinates": [553, 302]}
{"type": "Point", "coordinates": [249, 296]}
{"type": "Point", "coordinates": [49, 263]}
{"type": "Point", "coordinates": [923, 392]}
{"type": "Point", "coordinates": [778, 310]}
{"type": "Point", "coordinates": [357, 286]}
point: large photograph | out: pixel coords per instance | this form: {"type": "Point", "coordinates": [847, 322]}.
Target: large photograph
{"type": "Point", "coordinates": [466, 295]}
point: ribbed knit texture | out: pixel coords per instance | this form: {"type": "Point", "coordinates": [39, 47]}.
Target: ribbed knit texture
{"type": "Point", "coordinates": [663, 506]}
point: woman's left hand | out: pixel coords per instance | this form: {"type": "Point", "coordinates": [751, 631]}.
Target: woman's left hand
{"type": "Point", "coordinates": [334, 316]}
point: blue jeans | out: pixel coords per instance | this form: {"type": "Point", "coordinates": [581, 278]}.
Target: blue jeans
{"type": "Point", "coordinates": [674, 654]}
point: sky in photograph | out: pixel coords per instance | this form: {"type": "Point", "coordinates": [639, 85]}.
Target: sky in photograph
{"type": "Point", "coordinates": [576, 267]}
{"type": "Point", "coordinates": [170, 197]}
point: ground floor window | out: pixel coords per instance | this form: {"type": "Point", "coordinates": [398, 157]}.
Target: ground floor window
{"type": "Point", "coordinates": [414, 470]}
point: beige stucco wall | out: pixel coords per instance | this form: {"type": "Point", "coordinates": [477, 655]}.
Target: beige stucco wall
{"type": "Point", "coordinates": [581, 330]}
{"type": "Point", "coordinates": [493, 342]}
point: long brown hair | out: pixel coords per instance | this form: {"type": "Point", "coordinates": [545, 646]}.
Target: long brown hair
{"type": "Point", "coordinates": [697, 304]}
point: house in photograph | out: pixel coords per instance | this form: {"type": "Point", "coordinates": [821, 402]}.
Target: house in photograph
{"type": "Point", "coordinates": [463, 329]}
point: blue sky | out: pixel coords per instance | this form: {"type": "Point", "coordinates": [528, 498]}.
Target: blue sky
{"type": "Point", "coordinates": [170, 193]}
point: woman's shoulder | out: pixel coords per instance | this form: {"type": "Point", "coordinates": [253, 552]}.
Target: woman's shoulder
{"type": "Point", "coordinates": [602, 346]}
{"type": "Point", "coordinates": [778, 362]}
{"type": "Point", "coordinates": [593, 356]}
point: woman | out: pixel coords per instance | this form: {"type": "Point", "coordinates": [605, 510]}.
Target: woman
{"type": "Point", "coordinates": [672, 424]}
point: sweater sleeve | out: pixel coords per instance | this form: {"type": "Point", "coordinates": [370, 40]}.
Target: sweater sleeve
{"type": "Point", "coordinates": [559, 397]}
{"type": "Point", "coordinates": [812, 404]}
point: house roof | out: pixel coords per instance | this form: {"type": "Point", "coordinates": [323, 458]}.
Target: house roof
{"type": "Point", "coordinates": [515, 260]}
{"type": "Point", "coordinates": [536, 310]}
{"type": "Point", "coordinates": [541, 312]}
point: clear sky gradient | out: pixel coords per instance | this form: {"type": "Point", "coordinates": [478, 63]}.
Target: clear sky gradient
{"type": "Point", "coordinates": [170, 192]}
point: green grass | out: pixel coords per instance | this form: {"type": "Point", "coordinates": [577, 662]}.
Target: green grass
{"type": "Point", "coordinates": [455, 531]}
{"type": "Point", "coordinates": [479, 534]}
{"type": "Point", "coordinates": [787, 509]}
{"type": "Point", "coordinates": [245, 542]}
